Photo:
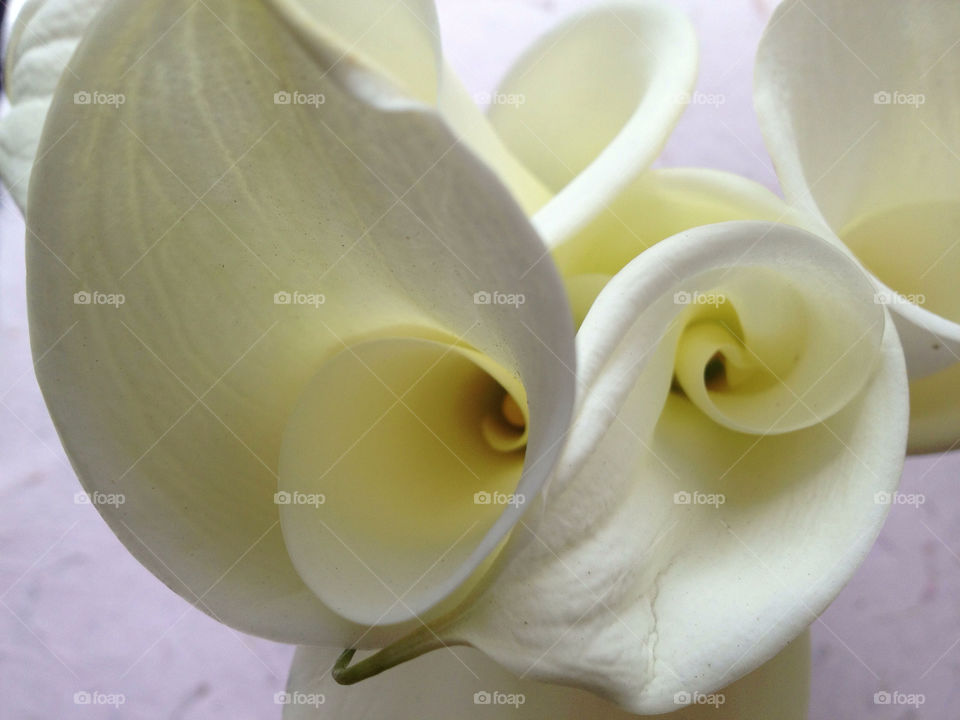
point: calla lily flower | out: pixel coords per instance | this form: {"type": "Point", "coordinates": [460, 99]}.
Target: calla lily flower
{"type": "Point", "coordinates": [312, 313]}
{"type": "Point", "coordinates": [350, 245]}
{"type": "Point", "coordinates": [857, 101]}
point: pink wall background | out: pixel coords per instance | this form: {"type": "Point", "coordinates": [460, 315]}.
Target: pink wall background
{"type": "Point", "coordinates": [77, 613]}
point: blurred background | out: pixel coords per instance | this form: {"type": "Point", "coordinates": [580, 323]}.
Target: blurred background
{"type": "Point", "coordinates": [79, 614]}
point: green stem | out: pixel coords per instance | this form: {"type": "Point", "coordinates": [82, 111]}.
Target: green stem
{"type": "Point", "coordinates": [407, 648]}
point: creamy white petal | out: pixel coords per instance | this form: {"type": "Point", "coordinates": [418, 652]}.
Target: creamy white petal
{"type": "Point", "coordinates": [683, 547]}
{"type": "Point", "coordinates": [364, 42]}
{"type": "Point", "coordinates": [858, 104]}
{"type": "Point", "coordinates": [377, 46]}
{"type": "Point", "coordinates": [461, 112]}
{"type": "Point", "coordinates": [589, 106]}
{"type": "Point", "coordinates": [659, 204]}
{"type": "Point", "coordinates": [233, 257]}
{"type": "Point", "coordinates": [456, 682]}
{"type": "Point", "coordinates": [663, 202]}
{"type": "Point", "coordinates": [43, 39]}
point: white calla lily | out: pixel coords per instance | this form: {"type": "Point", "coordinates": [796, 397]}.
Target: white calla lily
{"type": "Point", "coordinates": [654, 63]}
{"type": "Point", "coordinates": [333, 343]}
{"type": "Point", "coordinates": [857, 101]}
{"type": "Point", "coordinates": [720, 483]}
{"type": "Point", "coordinates": [588, 107]}
{"type": "Point", "coordinates": [195, 387]}
{"type": "Point", "coordinates": [465, 684]}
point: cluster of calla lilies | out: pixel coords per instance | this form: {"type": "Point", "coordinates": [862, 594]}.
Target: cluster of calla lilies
{"type": "Point", "coordinates": [481, 411]}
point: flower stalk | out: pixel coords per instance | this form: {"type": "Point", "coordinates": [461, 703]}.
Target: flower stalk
{"type": "Point", "coordinates": [410, 647]}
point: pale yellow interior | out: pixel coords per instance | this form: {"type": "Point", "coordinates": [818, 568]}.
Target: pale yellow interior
{"type": "Point", "coordinates": [415, 447]}
{"type": "Point", "coordinates": [915, 250]}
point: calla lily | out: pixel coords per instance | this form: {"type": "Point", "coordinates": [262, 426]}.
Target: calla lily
{"type": "Point", "coordinates": [350, 210]}
{"type": "Point", "coordinates": [628, 215]}
{"type": "Point", "coordinates": [857, 101]}
{"type": "Point", "coordinates": [685, 522]}
{"type": "Point", "coordinates": [285, 296]}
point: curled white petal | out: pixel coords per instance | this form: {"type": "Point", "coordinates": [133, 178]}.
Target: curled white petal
{"type": "Point", "coordinates": [588, 107]}
{"type": "Point", "coordinates": [858, 103]}
{"type": "Point", "coordinates": [685, 544]}
{"type": "Point", "coordinates": [206, 256]}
